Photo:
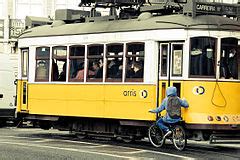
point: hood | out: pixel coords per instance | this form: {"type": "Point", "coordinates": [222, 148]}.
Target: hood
{"type": "Point", "coordinates": [171, 91]}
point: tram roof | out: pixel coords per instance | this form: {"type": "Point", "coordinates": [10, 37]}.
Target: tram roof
{"type": "Point", "coordinates": [178, 21]}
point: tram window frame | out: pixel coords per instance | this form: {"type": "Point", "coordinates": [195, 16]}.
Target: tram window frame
{"type": "Point", "coordinates": [47, 63]}
{"type": "Point", "coordinates": [115, 60]}
{"type": "Point", "coordinates": [164, 59]}
{"type": "Point", "coordinates": [136, 62]}
{"type": "Point", "coordinates": [175, 62]}
{"type": "Point", "coordinates": [24, 62]}
{"type": "Point", "coordinates": [198, 51]}
{"type": "Point", "coordinates": [80, 62]}
{"type": "Point", "coordinates": [229, 59]}
{"type": "Point", "coordinates": [95, 59]}
{"type": "Point", "coordinates": [59, 58]}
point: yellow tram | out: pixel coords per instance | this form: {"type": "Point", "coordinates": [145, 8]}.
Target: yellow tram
{"type": "Point", "coordinates": [101, 75]}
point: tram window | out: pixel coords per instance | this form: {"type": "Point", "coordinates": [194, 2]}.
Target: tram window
{"type": "Point", "coordinates": [95, 63]}
{"type": "Point", "coordinates": [164, 55]}
{"type": "Point", "coordinates": [24, 62]}
{"type": "Point", "coordinates": [202, 57]}
{"type": "Point", "coordinates": [135, 62]}
{"type": "Point", "coordinates": [177, 59]}
{"type": "Point", "coordinates": [42, 64]}
{"type": "Point", "coordinates": [59, 60]}
{"type": "Point", "coordinates": [114, 58]}
{"type": "Point", "coordinates": [77, 56]}
{"type": "Point", "coordinates": [230, 59]}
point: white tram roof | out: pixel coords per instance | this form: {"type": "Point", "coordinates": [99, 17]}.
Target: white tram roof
{"type": "Point", "coordinates": [178, 21]}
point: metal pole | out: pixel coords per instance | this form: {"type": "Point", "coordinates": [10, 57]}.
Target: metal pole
{"type": "Point", "coordinates": [169, 64]}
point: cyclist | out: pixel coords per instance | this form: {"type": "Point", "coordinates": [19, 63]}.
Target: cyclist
{"type": "Point", "coordinates": [172, 104]}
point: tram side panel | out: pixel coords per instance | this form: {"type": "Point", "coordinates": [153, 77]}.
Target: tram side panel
{"type": "Point", "coordinates": [130, 102]}
{"type": "Point", "coordinates": [212, 103]}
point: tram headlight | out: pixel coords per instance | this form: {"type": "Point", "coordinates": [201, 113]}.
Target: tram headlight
{"type": "Point", "coordinates": [218, 118]}
{"type": "Point", "coordinates": [210, 118]}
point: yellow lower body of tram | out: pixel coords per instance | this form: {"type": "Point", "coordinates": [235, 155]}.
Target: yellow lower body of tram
{"type": "Point", "coordinates": [97, 101]}
{"type": "Point", "coordinates": [213, 106]}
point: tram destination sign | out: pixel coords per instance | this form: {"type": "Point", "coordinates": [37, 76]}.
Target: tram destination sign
{"type": "Point", "coordinates": [217, 8]}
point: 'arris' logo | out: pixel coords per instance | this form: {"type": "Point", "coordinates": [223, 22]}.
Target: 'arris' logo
{"type": "Point", "coordinates": [198, 90]}
{"type": "Point", "coordinates": [130, 93]}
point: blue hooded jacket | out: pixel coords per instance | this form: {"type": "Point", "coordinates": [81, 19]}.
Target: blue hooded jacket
{"type": "Point", "coordinates": [171, 91]}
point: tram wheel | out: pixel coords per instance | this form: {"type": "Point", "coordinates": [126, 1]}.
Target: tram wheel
{"type": "Point", "coordinates": [155, 135]}
{"type": "Point", "coordinates": [81, 136]}
{"type": "Point", "coordinates": [179, 138]}
{"type": "Point", "coordinates": [128, 139]}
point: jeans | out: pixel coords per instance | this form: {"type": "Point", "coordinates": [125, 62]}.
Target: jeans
{"type": "Point", "coordinates": [161, 124]}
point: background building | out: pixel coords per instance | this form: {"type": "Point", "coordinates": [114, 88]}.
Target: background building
{"type": "Point", "coordinates": [14, 12]}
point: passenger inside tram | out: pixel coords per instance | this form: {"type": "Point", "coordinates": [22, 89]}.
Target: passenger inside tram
{"type": "Point", "coordinates": [138, 70]}
{"type": "Point", "coordinates": [80, 72]}
{"type": "Point", "coordinates": [62, 75]}
{"type": "Point", "coordinates": [230, 59]}
{"type": "Point", "coordinates": [42, 70]}
{"type": "Point", "coordinates": [202, 56]}
{"type": "Point", "coordinates": [114, 70]}
{"type": "Point", "coordinates": [119, 73]}
{"type": "Point", "coordinates": [129, 70]}
{"type": "Point", "coordinates": [54, 71]}
{"type": "Point", "coordinates": [95, 69]}
{"type": "Point", "coordinates": [228, 64]}
{"type": "Point", "coordinates": [98, 69]}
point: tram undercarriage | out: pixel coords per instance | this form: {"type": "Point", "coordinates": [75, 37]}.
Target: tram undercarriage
{"type": "Point", "coordinates": [130, 130]}
{"type": "Point", "coordinates": [127, 130]}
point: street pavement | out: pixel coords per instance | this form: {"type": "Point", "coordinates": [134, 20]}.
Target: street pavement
{"type": "Point", "coordinates": [37, 144]}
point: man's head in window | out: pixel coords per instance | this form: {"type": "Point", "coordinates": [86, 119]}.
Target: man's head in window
{"type": "Point", "coordinates": [138, 69]}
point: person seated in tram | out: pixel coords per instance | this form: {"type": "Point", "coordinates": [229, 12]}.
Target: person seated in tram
{"type": "Point", "coordinates": [138, 70]}
{"type": "Point", "coordinates": [97, 69]}
{"type": "Point", "coordinates": [55, 71]}
{"type": "Point", "coordinates": [62, 76]}
{"type": "Point", "coordinates": [113, 68]}
{"type": "Point", "coordinates": [130, 72]}
{"type": "Point", "coordinates": [80, 72]}
{"type": "Point", "coordinates": [119, 72]}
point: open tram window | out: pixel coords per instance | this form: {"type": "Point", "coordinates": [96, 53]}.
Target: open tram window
{"type": "Point", "coordinates": [77, 57]}
{"type": "Point", "coordinates": [202, 57]}
{"type": "Point", "coordinates": [42, 64]}
{"type": "Point", "coordinates": [230, 59]}
{"type": "Point", "coordinates": [59, 60]}
{"type": "Point", "coordinates": [95, 63]}
{"type": "Point", "coordinates": [114, 58]}
{"type": "Point", "coordinates": [135, 62]}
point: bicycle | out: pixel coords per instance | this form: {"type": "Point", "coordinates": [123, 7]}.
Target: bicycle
{"type": "Point", "coordinates": [178, 135]}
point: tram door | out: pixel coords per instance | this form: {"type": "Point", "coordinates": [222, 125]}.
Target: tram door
{"type": "Point", "coordinates": [170, 67]}
{"type": "Point", "coordinates": [22, 82]}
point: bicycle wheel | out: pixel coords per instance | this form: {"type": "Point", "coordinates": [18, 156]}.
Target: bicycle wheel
{"type": "Point", "coordinates": [179, 138]}
{"type": "Point", "coordinates": [155, 136]}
